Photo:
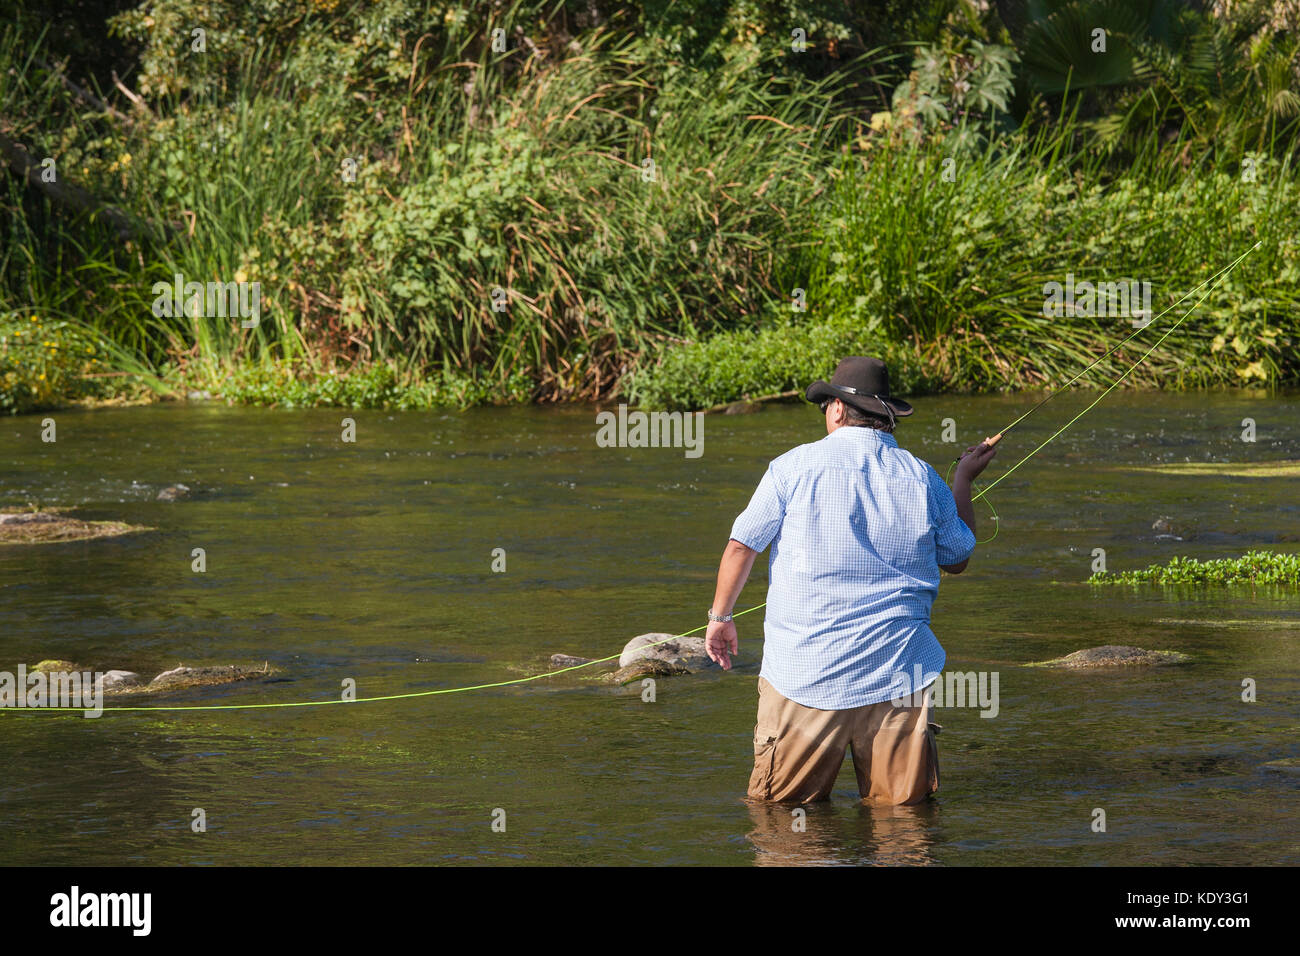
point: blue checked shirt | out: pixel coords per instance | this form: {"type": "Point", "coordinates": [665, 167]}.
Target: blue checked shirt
{"type": "Point", "coordinates": [858, 528]}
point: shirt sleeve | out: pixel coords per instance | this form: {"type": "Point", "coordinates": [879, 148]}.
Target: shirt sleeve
{"type": "Point", "coordinates": [954, 542]}
{"type": "Point", "coordinates": [758, 524]}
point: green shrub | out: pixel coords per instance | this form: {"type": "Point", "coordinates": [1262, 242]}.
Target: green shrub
{"type": "Point", "coordinates": [751, 364]}
{"type": "Point", "coordinates": [46, 363]}
{"type": "Point", "coordinates": [594, 255]}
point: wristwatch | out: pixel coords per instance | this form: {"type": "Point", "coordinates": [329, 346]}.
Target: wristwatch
{"type": "Point", "coordinates": [720, 618]}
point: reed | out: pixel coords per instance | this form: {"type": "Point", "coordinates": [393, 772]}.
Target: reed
{"type": "Point", "coordinates": [947, 276]}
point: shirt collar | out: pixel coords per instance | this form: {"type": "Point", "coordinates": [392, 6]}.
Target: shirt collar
{"type": "Point", "coordinates": [860, 434]}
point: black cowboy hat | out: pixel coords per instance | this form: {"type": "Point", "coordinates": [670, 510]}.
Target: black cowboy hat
{"type": "Point", "coordinates": [863, 383]}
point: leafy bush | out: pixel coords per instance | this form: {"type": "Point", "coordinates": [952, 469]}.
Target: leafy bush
{"type": "Point", "coordinates": [45, 363]}
{"type": "Point", "coordinates": [960, 94]}
{"type": "Point", "coordinates": [643, 215]}
{"type": "Point", "coordinates": [1223, 74]}
{"type": "Point", "coordinates": [948, 278]}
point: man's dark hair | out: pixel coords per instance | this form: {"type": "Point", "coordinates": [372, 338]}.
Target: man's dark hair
{"type": "Point", "coordinates": [856, 416]}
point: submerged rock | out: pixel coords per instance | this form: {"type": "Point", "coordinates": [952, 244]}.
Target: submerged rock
{"type": "Point", "coordinates": [1169, 529]}
{"type": "Point", "coordinates": [108, 681]}
{"type": "Point", "coordinates": [174, 493]}
{"type": "Point", "coordinates": [129, 682]}
{"type": "Point", "coordinates": [183, 676]}
{"type": "Point", "coordinates": [29, 517]}
{"type": "Point", "coordinates": [119, 680]}
{"type": "Point", "coordinates": [1287, 765]}
{"type": "Point", "coordinates": [686, 651]}
{"type": "Point", "coordinates": [568, 660]}
{"type": "Point", "coordinates": [1115, 655]}
{"type": "Point", "coordinates": [646, 667]}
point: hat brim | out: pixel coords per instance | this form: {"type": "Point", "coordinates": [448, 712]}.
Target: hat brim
{"type": "Point", "coordinates": [819, 391]}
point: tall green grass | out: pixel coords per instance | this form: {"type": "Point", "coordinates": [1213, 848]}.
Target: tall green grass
{"type": "Point", "coordinates": [945, 274]}
{"type": "Point", "coordinates": [73, 316]}
{"type": "Point", "coordinates": [519, 173]}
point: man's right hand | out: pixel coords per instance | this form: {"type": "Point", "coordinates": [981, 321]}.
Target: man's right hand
{"type": "Point", "coordinates": [721, 641]}
{"type": "Point", "coordinates": [974, 461]}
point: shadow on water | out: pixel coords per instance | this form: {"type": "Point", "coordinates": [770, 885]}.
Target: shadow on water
{"type": "Point", "coordinates": [372, 562]}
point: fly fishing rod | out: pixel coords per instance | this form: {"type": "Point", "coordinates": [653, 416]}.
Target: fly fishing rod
{"type": "Point", "coordinates": [1116, 383]}
{"type": "Point", "coordinates": [993, 440]}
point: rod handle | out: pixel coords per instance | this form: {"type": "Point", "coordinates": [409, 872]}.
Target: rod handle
{"type": "Point", "coordinates": [994, 440]}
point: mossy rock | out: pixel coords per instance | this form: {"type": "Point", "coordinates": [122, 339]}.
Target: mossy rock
{"type": "Point", "coordinates": [689, 652]}
{"type": "Point", "coordinates": [54, 666]}
{"type": "Point", "coordinates": [181, 677]}
{"type": "Point", "coordinates": [1115, 655]}
{"type": "Point", "coordinates": [46, 527]}
{"type": "Point", "coordinates": [646, 667]}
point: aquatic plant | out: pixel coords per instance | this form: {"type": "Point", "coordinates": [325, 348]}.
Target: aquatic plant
{"type": "Point", "coordinates": [299, 385]}
{"type": "Point", "coordinates": [1253, 567]}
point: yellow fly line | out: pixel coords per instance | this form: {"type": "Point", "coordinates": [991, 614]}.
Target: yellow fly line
{"type": "Point", "coordinates": [358, 700]}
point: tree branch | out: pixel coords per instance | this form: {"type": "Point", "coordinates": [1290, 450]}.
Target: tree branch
{"type": "Point", "coordinates": [81, 93]}
{"type": "Point", "coordinates": [68, 194]}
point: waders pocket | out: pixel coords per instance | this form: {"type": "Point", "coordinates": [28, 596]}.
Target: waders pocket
{"type": "Point", "coordinates": [760, 782]}
{"type": "Point", "coordinates": [932, 753]}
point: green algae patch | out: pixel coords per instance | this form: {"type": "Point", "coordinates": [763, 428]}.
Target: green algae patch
{"type": "Point", "coordinates": [1232, 624]}
{"type": "Point", "coordinates": [1253, 567]}
{"type": "Point", "coordinates": [1226, 469]}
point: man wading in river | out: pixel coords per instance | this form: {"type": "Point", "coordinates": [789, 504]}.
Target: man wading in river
{"type": "Point", "coordinates": [859, 529]}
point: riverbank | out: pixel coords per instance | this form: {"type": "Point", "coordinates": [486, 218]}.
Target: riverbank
{"type": "Point", "coordinates": [591, 213]}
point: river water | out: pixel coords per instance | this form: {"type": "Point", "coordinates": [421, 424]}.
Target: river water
{"type": "Point", "coordinates": [373, 561]}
